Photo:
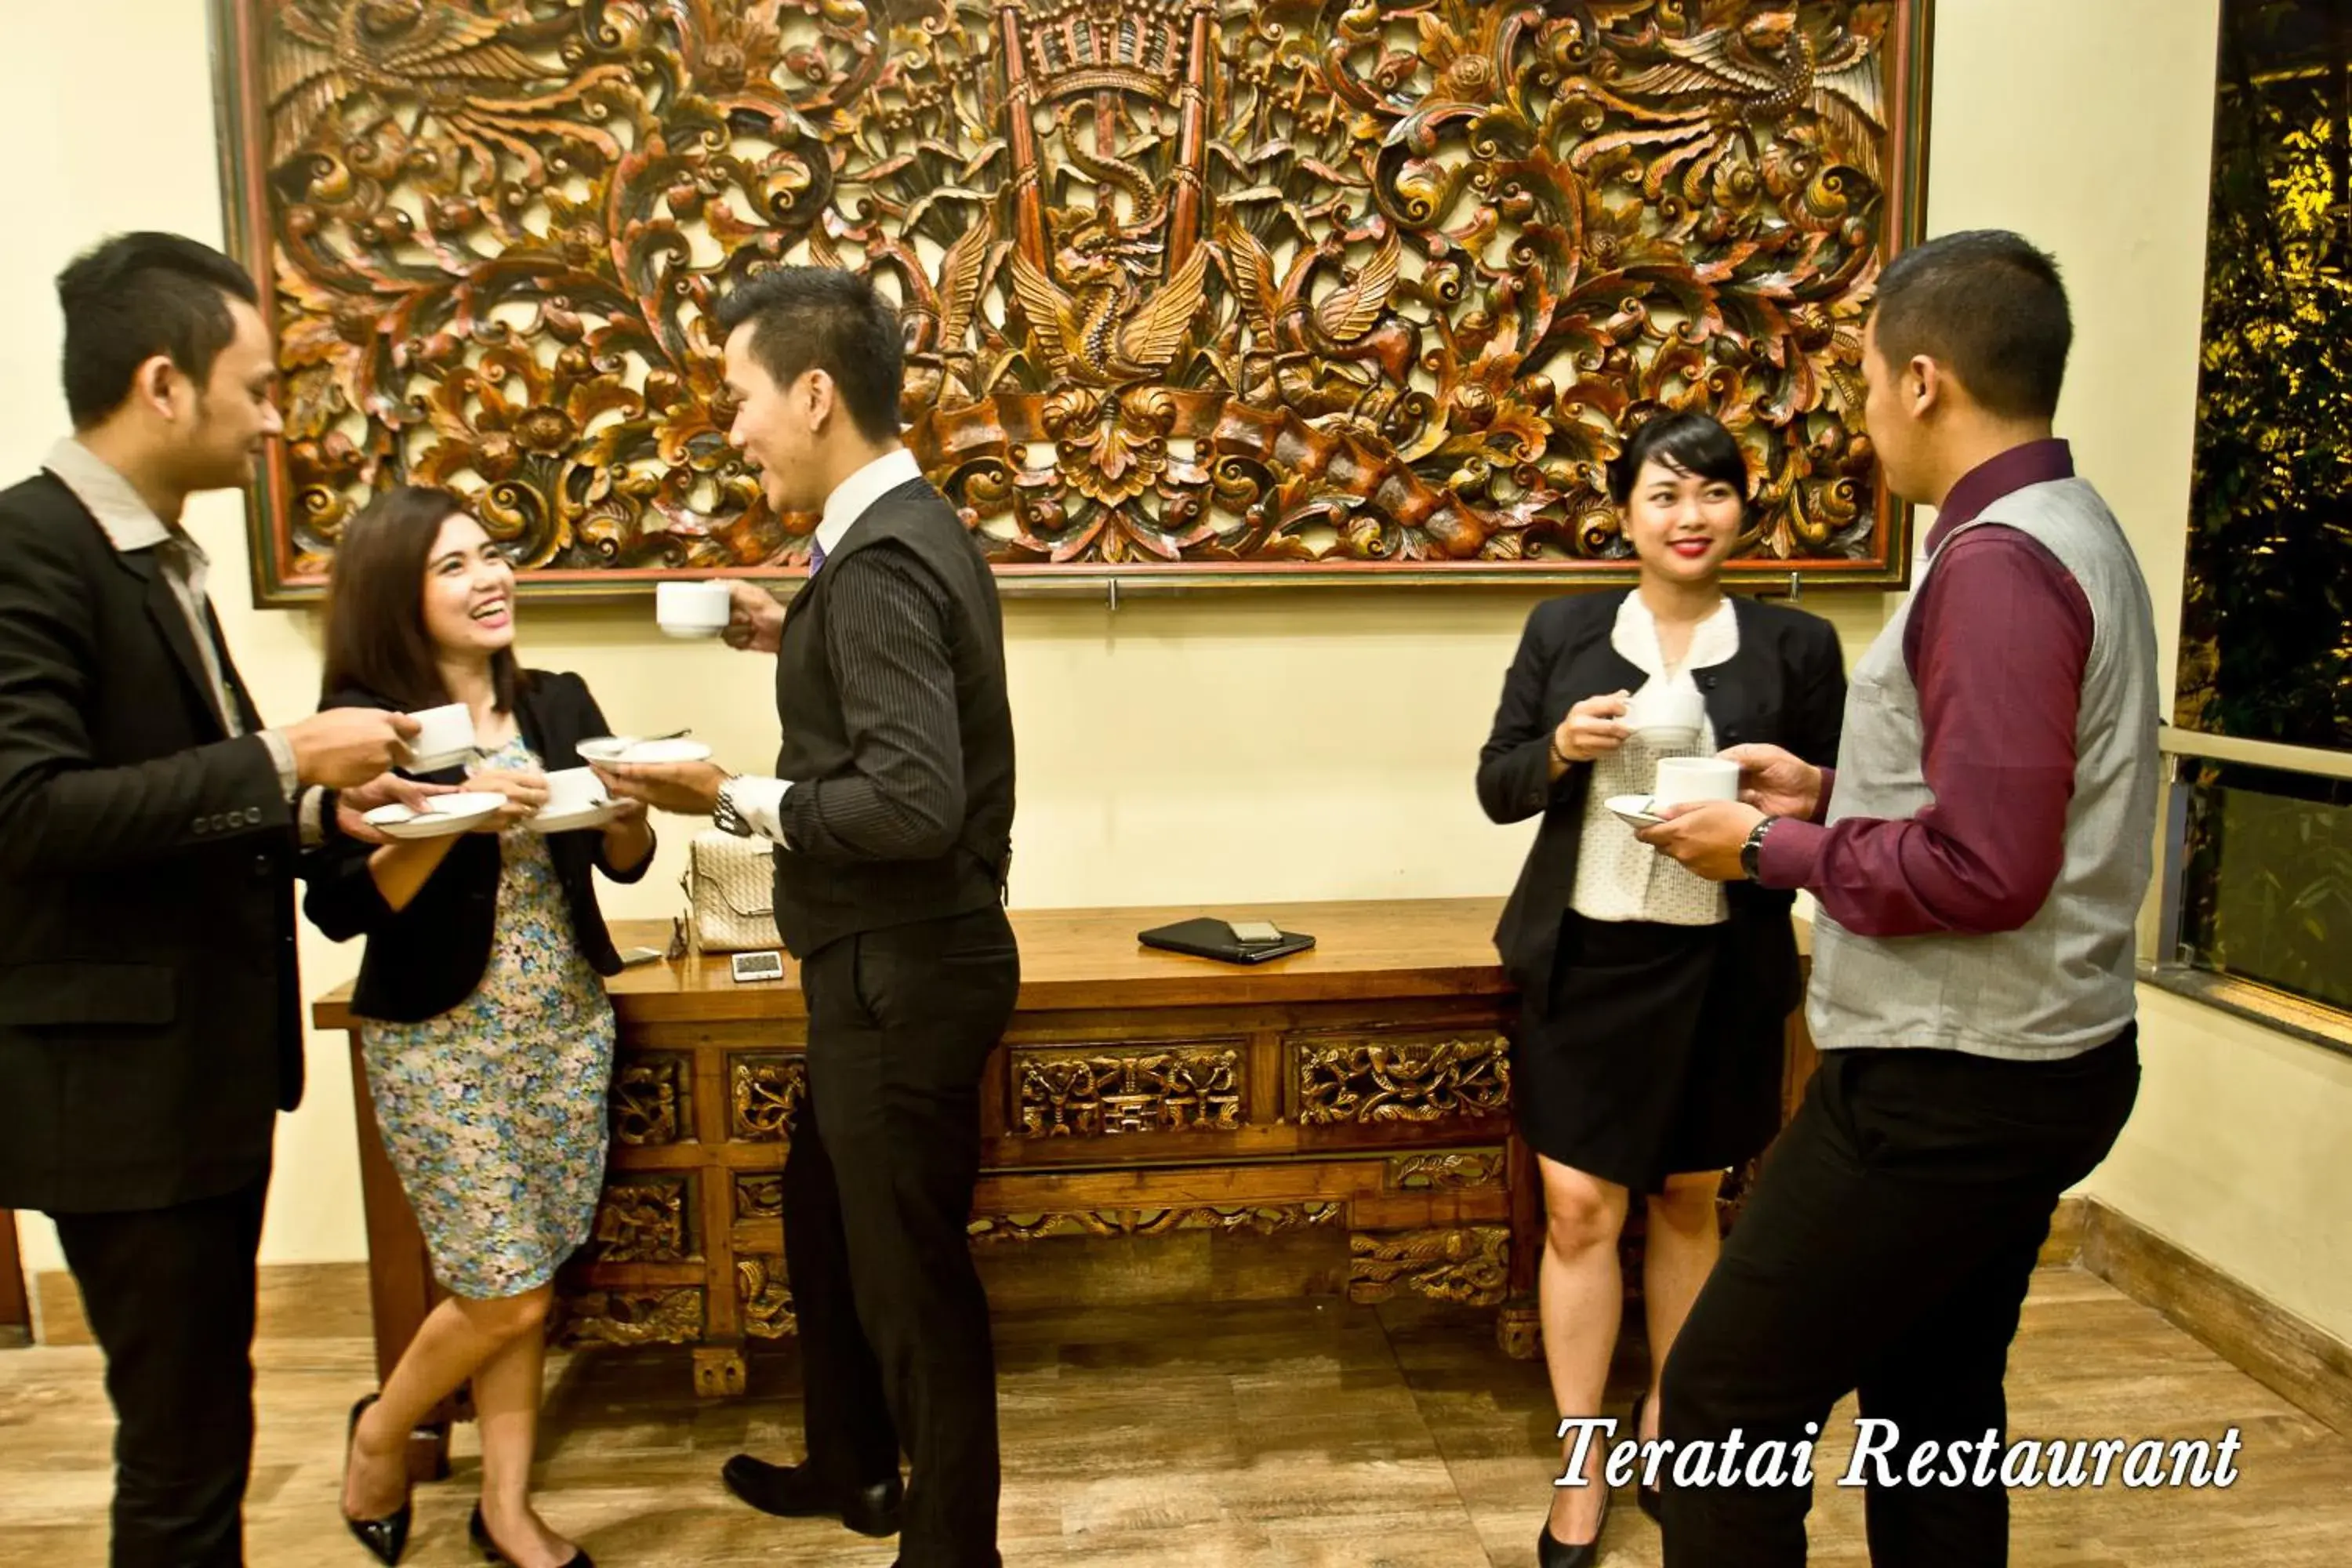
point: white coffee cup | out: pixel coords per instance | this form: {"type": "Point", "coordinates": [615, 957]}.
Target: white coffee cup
{"type": "Point", "coordinates": [1660, 713]}
{"type": "Point", "coordinates": [692, 609]}
{"type": "Point", "coordinates": [570, 790]}
{"type": "Point", "coordinates": [1682, 780]}
{"type": "Point", "coordinates": [445, 737]}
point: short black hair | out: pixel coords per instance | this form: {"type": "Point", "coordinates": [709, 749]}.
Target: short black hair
{"type": "Point", "coordinates": [1989, 306]}
{"type": "Point", "coordinates": [137, 296]}
{"type": "Point", "coordinates": [1687, 443]}
{"type": "Point", "coordinates": [822, 317]}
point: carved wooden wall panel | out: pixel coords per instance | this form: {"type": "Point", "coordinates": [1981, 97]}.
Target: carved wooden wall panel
{"type": "Point", "coordinates": [1239, 290]}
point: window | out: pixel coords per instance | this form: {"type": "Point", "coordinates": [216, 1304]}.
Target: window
{"type": "Point", "coordinates": [2263, 853]}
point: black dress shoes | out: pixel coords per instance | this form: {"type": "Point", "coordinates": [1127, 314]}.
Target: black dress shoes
{"type": "Point", "coordinates": [1555, 1554]}
{"type": "Point", "coordinates": [477, 1531]}
{"type": "Point", "coordinates": [795, 1491]}
{"type": "Point", "coordinates": [384, 1537]}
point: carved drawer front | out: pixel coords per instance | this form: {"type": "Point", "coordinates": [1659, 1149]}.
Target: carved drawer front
{"type": "Point", "coordinates": [764, 1298]}
{"type": "Point", "coordinates": [647, 1218]}
{"type": "Point", "coordinates": [1419, 1078]}
{"type": "Point", "coordinates": [1109, 1091]}
{"type": "Point", "coordinates": [764, 1090]}
{"type": "Point", "coordinates": [653, 1099]}
{"type": "Point", "coordinates": [654, 1315]}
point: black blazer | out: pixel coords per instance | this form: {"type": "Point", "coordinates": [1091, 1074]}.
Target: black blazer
{"type": "Point", "coordinates": [1785, 686]}
{"type": "Point", "coordinates": [149, 1011]}
{"type": "Point", "coordinates": [424, 959]}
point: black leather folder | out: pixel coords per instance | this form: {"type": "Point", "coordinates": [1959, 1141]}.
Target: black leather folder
{"type": "Point", "coordinates": [1207, 938]}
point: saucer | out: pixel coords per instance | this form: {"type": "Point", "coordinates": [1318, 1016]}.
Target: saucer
{"type": "Point", "coordinates": [628, 749]}
{"type": "Point", "coordinates": [445, 815]}
{"type": "Point", "coordinates": [1633, 810]}
{"type": "Point", "coordinates": [596, 815]}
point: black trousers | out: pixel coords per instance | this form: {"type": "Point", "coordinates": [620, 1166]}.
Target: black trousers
{"type": "Point", "coordinates": [885, 1154]}
{"type": "Point", "coordinates": [169, 1294]}
{"type": "Point", "coordinates": [1887, 1249]}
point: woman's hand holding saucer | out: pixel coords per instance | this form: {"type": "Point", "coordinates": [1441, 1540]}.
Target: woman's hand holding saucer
{"type": "Point", "coordinates": [525, 793]}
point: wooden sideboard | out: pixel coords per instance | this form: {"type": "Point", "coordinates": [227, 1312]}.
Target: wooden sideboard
{"type": "Point", "coordinates": [1363, 1086]}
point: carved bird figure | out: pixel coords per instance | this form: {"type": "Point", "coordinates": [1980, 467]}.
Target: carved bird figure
{"type": "Point", "coordinates": [1095, 325]}
{"type": "Point", "coordinates": [460, 62]}
{"type": "Point", "coordinates": [1771, 66]}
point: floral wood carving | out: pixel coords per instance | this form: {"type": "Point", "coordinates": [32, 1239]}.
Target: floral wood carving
{"type": "Point", "coordinates": [1465, 1263]}
{"type": "Point", "coordinates": [1405, 1079]}
{"type": "Point", "coordinates": [1252, 290]}
{"type": "Point", "coordinates": [1260, 1219]}
{"type": "Point", "coordinates": [1103, 1094]}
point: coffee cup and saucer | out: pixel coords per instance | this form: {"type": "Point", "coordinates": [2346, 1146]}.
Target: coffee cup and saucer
{"type": "Point", "coordinates": [444, 739]}
{"type": "Point", "coordinates": [1665, 718]}
{"type": "Point", "coordinates": [575, 800]}
{"type": "Point", "coordinates": [1680, 781]}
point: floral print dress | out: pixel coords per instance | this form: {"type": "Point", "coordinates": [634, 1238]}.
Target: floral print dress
{"type": "Point", "coordinates": [494, 1112]}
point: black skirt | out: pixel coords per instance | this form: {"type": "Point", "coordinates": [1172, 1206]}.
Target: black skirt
{"type": "Point", "coordinates": [1652, 1055]}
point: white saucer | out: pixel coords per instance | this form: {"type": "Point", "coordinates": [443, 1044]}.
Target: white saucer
{"type": "Point", "coordinates": [610, 749]}
{"type": "Point", "coordinates": [1633, 810]}
{"type": "Point", "coordinates": [444, 815]}
{"type": "Point", "coordinates": [596, 815]}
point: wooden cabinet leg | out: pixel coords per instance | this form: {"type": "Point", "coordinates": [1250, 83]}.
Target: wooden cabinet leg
{"type": "Point", "coordinates": [717, 1370]}
{"type": "Point", "coordinates": [1519, 1329]}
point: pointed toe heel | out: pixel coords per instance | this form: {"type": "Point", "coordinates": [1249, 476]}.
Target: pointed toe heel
{"type": "Point", "coordinates": [384, 1537]}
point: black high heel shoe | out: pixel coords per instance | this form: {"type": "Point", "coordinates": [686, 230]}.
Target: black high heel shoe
{"type": "Point", "coordinates": [1553, 1553]}
{"type": "Point", "coordinates": [477, 1531]}
{"type": "Point", "coordinates": [384, 1537]}
{"type": "Point", "coordinates": [1651, 1499]}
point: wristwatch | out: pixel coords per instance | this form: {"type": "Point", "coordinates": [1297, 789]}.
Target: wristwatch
{"type": "Point", "coordinates": [1751, 854]}
{"type": "Point", "coordinates": [727, 816]}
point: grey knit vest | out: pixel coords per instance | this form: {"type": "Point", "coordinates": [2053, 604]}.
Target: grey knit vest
{"type": "Point", "coordinates": [2064, 982]}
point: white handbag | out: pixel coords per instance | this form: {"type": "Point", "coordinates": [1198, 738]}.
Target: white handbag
{"type": "Point", "coordinates": [730, 894]}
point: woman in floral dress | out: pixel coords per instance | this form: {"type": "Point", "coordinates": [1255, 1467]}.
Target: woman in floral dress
{"type": "Point", "coordinates": [485, 1027]}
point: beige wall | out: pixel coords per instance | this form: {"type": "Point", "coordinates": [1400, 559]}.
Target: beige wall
{"type": "Point", "coordinates": [1224, 749]}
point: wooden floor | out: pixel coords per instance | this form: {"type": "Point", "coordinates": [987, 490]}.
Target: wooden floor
{"type": "Point", "coordinates": [1293, 1434]}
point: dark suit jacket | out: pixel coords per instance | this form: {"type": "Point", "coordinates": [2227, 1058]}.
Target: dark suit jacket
{"type": "Point", "coordinates": [897, 730]}
{"type": "Point", "coordinates": [425, 958]}
{"type": "Point", "coordinates": [1786, 687]}
{"type": "Point", "coordinates": [149, 1011]}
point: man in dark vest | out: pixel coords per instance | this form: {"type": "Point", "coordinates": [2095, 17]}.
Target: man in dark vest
{"type": "Point", "coordinates": [891, 811]}
{"type": "Point", "coordinates": [150, 1014]}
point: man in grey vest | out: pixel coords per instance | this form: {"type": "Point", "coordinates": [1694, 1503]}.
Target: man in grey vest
{"type": "Point", "coordinates": [1978, 858]}
{"type": "Point", "coordinates": [891, 812]}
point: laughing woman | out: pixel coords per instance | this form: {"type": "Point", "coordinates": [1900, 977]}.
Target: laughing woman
{"type": "Point", "coordinates": [1647, 1058]}
{"type": "Point", "coordinates": [485, 1030]}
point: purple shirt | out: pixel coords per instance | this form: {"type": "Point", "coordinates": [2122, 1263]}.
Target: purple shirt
{"type": "Point", "coordinates": [1997, 642]}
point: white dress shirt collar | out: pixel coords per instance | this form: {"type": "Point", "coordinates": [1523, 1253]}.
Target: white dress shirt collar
{"type": "Point", "coordinates": [852, 497]}
{"type": "Point", "coordinates": [129, 523]}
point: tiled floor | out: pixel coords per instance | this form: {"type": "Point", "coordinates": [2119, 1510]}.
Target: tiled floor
{"type": "Point", "coordinates": [1297, 1433]}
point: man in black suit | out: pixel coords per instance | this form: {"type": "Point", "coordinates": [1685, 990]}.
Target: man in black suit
{"type": "Point", "coordinates": [891, 809]}
{"type": "Point", "coordinates": [150, 1022]}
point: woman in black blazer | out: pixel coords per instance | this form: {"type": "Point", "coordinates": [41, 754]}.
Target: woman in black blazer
{"type": "Point", "coordinates": [485, 1027]}
{"type": "Point", "coordinates": [1647, 1058]}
